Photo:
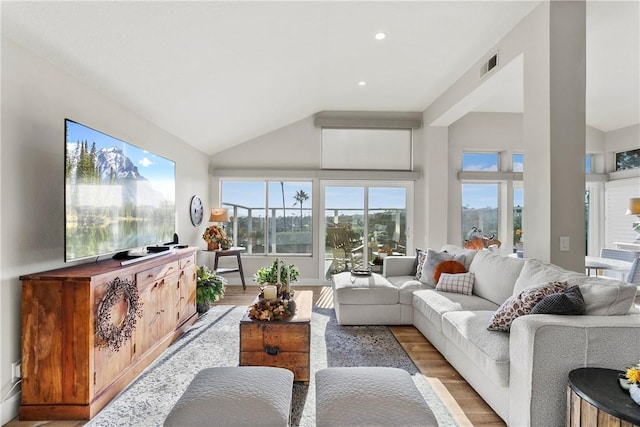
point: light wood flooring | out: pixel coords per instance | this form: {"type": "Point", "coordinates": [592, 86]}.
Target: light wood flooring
{"type": "Point", "coordinates": [461, 400]}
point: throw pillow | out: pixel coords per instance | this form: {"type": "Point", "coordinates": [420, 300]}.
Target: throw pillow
{"type": "Point", "coordinates": [522, 304]}
{"type": "Point", "coordinates": [422, 256]}
{"type": "Point", "coordinates": [432, 260]}
{"type": "Point", "coordinates": [461, 283]}
{"type": "Point", "coordinates": [570, 301]}
{"type": "Point", "coordinates": [415, 270]}
{"type": "Point", "coordinates": [452, 267]}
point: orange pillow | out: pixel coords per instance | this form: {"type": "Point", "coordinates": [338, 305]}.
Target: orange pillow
{"type": "Point", "coordinates": [452, 267]}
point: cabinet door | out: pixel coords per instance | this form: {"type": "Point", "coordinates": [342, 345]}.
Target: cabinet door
{"type": "Point", "coordinates": [109, 364]}
{"type": "Point", "coordinates": [168, 296]}
{"type": "Point", "coordinates": [187, 295]}
{"type": "Point", "coordinates": [146, 333]}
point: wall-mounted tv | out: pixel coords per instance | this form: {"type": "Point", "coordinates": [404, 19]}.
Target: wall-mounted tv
{"type": "Point", "coordinates": [118, 196]}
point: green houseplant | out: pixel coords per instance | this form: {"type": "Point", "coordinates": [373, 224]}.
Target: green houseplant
{"type": "Point", "coordinates": [210, 287]}
{"type": "Point", "coordinates": [269, 274]}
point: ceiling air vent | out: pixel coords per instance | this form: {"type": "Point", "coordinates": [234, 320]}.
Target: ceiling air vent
{"type": "Point", "coordinates": [489, 65]}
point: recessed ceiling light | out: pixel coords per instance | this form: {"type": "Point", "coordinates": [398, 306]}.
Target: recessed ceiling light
{"type": "Point", "coordinates": [362, 83]}
{"type": "Point", "coordinates": [380, 36]}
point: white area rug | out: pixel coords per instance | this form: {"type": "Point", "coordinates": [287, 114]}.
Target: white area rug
{"type": "Point", "coordinates": [214, 341]}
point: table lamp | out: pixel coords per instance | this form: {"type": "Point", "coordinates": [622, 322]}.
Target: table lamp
{"type": "Point", "coordinates": [634, 209]}
{"type": "Point", "coordinates": [222, 215]}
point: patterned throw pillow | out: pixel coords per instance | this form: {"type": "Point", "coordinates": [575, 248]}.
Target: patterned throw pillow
{"type": "Point", "coordinates": [522, 304]}
{"type": "Point", "coordinates": [570, 301]}
{"type": "Point", "coordinates": [422, 256]}
{"type": "Point", "coordinates": [433, 259]}
{"type": "Point", "coordinates": [452, 267]}
{"type": "Point", "coordinates": [461, 283]}
{"type": "Point", "coordinates": [414, 270]}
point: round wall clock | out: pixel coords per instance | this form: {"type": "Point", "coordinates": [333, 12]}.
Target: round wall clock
{"type": "Point", "coordinates": [196, 210]}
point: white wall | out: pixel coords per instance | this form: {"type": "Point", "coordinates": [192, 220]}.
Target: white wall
{"type": "Point", "coordinates": [36, 97]}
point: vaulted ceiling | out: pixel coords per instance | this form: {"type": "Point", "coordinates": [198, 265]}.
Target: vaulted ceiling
{"type": "Point", "coordinates": [216, 74]}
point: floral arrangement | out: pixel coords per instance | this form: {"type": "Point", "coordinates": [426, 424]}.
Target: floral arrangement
{"type": "Point", "coordinates": [277, 309]}
{"type": "Point", "coordinates": [215, 234]}
{"type": "Point", "coordinates": [633, 374]}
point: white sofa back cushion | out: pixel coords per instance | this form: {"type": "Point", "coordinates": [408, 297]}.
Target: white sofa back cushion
{"type": "Point", "coordinates": [536, 273]}
{"type": "Point", "coordinates": [495, 275]}
{"type": "Point", "coordinates": [602, 297]}
{"type": "Point", "coordinates": [606, 297]}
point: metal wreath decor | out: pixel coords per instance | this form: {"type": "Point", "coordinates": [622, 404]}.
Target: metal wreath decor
{"type": "Point", "coordinates": [110, 334]}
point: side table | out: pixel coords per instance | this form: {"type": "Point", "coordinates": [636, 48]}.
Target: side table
{"type": "Point", "coordinates": [595, 399]}
{"type": "Point", "coordinates": [233, 251]}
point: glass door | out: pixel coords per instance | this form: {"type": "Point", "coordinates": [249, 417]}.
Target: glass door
{"type": "Point", "coordinates": [364, 223]}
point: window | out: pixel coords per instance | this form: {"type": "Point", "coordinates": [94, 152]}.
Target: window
{"type": "Point", "coordinates": [270, 217]}
{"type": "Point", "coordinates": [587, 164]}
{"type": "Point", "coordinates": [628, 159]}
{"type": "Point", "coordinates": [517, 160]}
{"type": "Point", "coordinates": [480, 208]}
{"type": "Point", "coordinates": [487, 162]}
{"type": "Point", "coordinates": [518, 203]}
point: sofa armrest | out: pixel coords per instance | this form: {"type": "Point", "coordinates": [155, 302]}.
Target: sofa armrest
{"type": "Point", "coordinates": [398, 266]}
{"type": "Point", "coordinates": [544, 348]}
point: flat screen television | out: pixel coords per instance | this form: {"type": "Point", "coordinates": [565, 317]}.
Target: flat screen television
{"type": "Point", "coordinates": [118, 197]}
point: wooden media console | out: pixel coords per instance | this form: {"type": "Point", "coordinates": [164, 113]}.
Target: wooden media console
{"type": "Point", "coordinates": [67, 371]}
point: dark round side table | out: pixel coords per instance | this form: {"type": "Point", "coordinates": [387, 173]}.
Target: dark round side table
{"type": "Point", "coordinates": [595, 398]}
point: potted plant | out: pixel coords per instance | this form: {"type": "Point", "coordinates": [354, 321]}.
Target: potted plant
{"type": "Point", "coordinates": [210, 287]}
{"type": "Point", "coordinates": [269, 274]}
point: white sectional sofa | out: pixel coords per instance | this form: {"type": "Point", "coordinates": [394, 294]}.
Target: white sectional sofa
{"type": "Point", "coordinates": [521, 374]}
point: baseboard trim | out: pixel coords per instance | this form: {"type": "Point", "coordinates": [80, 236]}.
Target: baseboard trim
{"type": "Point", "coordinates": [9, 408]}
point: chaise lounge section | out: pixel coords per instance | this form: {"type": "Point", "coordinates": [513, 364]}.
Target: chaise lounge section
{"type": "Point", "coordinates": [521, 372]}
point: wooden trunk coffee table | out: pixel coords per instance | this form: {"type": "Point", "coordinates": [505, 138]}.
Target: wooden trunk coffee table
{"type": "Point", "coordinates": [280, 343]}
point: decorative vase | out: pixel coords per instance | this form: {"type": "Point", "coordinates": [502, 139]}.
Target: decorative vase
{"type": "Point", "coordinates": [212, 246]}
{"type": "Point", "coordinates": [634, 392]}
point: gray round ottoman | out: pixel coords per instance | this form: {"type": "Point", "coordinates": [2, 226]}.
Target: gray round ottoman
{"type": "Point", "coordinates": [369, 396]}
{"type": "Point", "coordinates": [235, 396]}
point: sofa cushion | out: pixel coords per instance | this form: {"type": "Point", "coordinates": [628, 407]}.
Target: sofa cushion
{"type": "Point", "coordinates": [374, 289]}
{"type": "Point", "coordinates": [407, 288]}
{"type": "Point", "coordinates": [569, 302]}
{"type": "Point", "coordinates": [521, 304]}
{"type": "Point", "coordinates": [495, 275]}
{"type": "Point", "coordinates": [467, 330]}
{"type": "Point", "coordinates": [536, 272]}
{"type": "Point", "coordinates": [451, 267]}
{"type": "Point", "coordinates": [461, 283]}
{"type": "Point", "coordinates": [606, 297]}
{"type": "Point", "coordinates": [431, 262]}
{"type": "Point", "coordinates": [602, 297]}
{"type": "Point", "coordinates": [433, 304]}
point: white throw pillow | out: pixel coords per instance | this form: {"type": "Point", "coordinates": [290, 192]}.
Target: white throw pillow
{"type": "Point", "coordinates": [461, 283]}
{"type": "Point", "coordinates": [432, 259]}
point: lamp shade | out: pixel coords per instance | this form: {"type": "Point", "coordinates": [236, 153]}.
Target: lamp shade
{"type": "Point", "coordinates": [219, 215]}
{"type": "Point", "coordinates": [634, 206]}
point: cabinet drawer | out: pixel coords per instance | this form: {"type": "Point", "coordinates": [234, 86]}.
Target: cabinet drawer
{"type": "Point", "coordinates": [187, 262]}
{"type": "Point", "coordinates": [144, 278]}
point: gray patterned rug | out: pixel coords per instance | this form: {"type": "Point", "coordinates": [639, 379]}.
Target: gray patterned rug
{"type": "Point", "coordinates": [214, 341]}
